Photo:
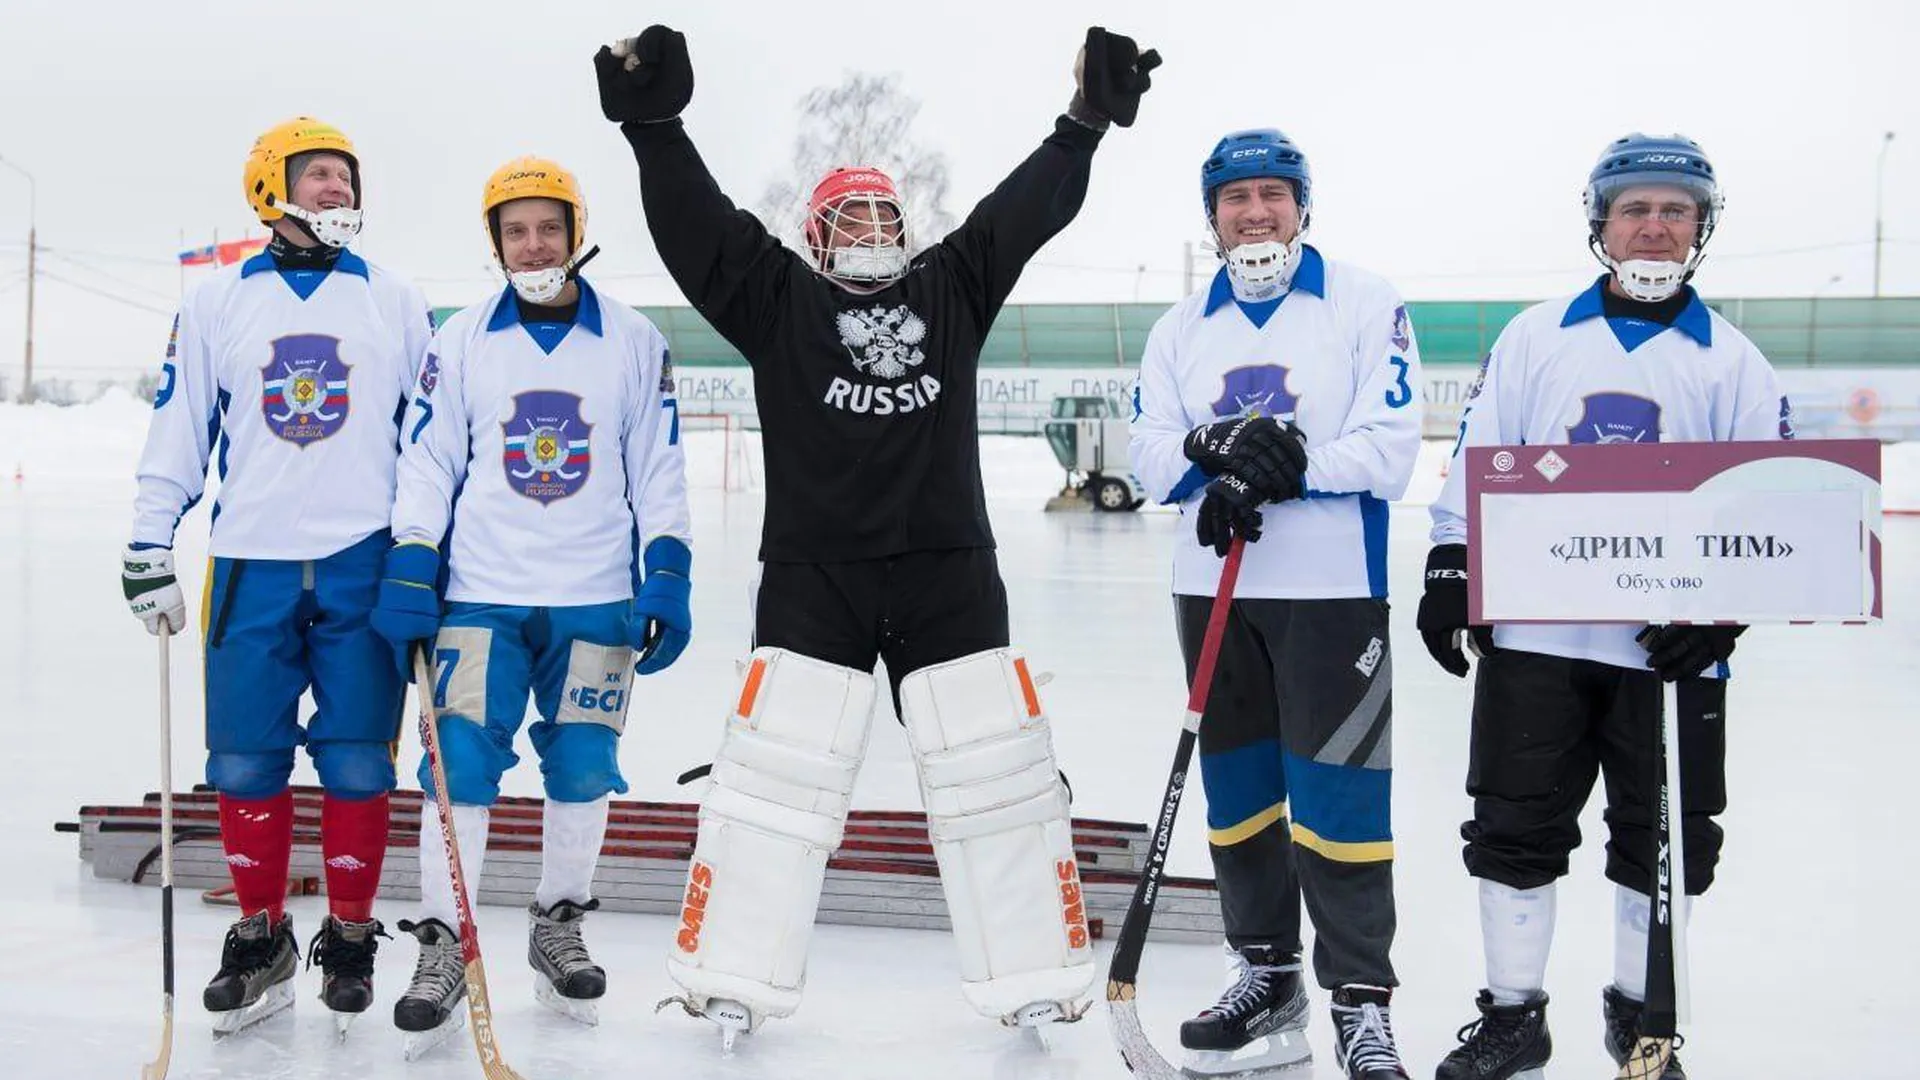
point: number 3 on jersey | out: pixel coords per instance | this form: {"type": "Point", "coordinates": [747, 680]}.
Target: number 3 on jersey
{"type": "Point", "coordinates": [1399, 393]}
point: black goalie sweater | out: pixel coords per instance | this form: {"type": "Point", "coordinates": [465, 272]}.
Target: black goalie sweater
{"type": "Point", "coordinates": [867, 410]}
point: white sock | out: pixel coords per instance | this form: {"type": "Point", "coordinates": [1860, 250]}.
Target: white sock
{"type": "Point", "coordinates": [570, 838]}
{"type": "Point", "coordinates": [1632, 913]}
{"type": "Point", "coordinates": [436, 884]}
{"type": "Point", "coordinates": [1516, 927]}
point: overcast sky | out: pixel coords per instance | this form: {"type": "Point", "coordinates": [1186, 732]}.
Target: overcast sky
{"type": "Point", "coordinates": [1449, 142]}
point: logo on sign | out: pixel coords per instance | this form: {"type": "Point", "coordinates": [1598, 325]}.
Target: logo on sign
{"type": "Point", "coordinates": [1503, 460]}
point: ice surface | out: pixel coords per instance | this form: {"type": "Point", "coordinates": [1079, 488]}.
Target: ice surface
{"type": "Point", "coordinates": [1808, 927]}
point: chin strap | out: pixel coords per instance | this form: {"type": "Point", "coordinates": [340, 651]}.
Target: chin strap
{"type": "Point", "coordinates": [541, 286]}
{"type": "Point", "coordinates": [335, 228]}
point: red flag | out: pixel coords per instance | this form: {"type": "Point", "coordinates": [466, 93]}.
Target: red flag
{"type": "Point", "coordinates": [235, 250]}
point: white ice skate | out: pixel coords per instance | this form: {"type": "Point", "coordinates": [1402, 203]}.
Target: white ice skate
{"type": "Point", "coordinates": [732, 1018]}
{"type": "Point", "coordinates": [429, 1012]}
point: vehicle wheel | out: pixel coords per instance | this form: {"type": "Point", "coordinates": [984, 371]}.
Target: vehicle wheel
{"type": "Point", "coordinates": [1112, 495]}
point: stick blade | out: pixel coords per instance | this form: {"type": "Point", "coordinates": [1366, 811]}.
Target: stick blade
{"type": "Point", "coordinates": [1131, 1040]}
{"type": "Point", "coordinates": [1648, 1059]}
{"type": "Point", "coordinates": [157, 1068]}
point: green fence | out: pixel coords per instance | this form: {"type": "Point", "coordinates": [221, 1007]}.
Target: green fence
{"type": "Point", "coordinates": [1816, 332]}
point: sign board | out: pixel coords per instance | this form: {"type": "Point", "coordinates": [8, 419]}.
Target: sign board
{"type": "Point", "coordinates": [1748, 532]}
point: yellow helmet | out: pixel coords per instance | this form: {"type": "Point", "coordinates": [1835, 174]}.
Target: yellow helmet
{"type": "Point", "coordinates": [266, 172]}
{"type": "Point", "coordinates": [534, 178]}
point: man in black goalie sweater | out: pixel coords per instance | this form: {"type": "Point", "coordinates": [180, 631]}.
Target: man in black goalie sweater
{"type": "Point", "coordinates": [876, 546]}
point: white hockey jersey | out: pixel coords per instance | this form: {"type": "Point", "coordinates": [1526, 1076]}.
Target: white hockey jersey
{"type": "Point", "coordinates": [554, 452]}
{"type": "Point", "coordinates": [297, 382]}
{"type": "Point", "coordinates": [1337, 358]}
{"type": "Point", "coordinates": [1562, 372]}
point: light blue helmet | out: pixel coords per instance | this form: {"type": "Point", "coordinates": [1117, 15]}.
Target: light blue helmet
{"type": "Point", "coordinates": [1258, 152]}
{"type": "Point", "coordinates": [1639, 159]}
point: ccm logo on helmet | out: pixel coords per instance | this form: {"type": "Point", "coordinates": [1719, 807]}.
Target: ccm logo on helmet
{"type": "Point", "coordinates": [693, 910]}
{"type": "Point", "coordinates": [1073, 908]}
{"type": "Point", "coordinates": [1257, 151]}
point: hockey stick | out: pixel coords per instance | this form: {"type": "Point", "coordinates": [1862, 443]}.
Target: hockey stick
{"type": "Point", "coordinates": [479, 1005]}
{"type": "Point", "coordinates": [157, 1068]}
{"type": "Point", "coordinates": [1123, 973]}
{"type": "Point", "coordinates": [1666, 1004]}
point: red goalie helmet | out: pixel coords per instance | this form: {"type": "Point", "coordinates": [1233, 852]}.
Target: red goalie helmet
{"type": "Point", "coordinates": [856, 226]}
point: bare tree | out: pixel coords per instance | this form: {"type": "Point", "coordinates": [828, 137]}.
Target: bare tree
{"type": "Point", "coordinates": [862, 121]}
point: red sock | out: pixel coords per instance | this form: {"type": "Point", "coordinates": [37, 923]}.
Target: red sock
{"type": "Point", "coordinates": [258, 836]}
{"type": "Point", "coordinates": [353, 840]}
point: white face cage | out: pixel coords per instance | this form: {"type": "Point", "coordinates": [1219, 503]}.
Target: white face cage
{"type": "Point", "coordinates": [1264, 270]}
{"type": "Point", "coordinates": [856, 247]}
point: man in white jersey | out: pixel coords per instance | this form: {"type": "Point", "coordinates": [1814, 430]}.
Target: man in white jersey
{"type": "Point", "coordinates": [298, 363]}
{"type": "Point", "coordinates": [1636, 357]}
{"type": "Point", "coordinates": [546, 436]}
{"type": "Point", "coordinates": [1279, 401]}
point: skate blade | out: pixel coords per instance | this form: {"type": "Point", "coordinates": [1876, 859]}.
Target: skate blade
{"type": "Point", "coordinates": [732, 1018]}
{"type": "Point", "coordinates": [575, 1009]}
{"type": "Point", "coordinates": [418, 1044]}
{"type": "Point", "coordinates": [275, 999]}
{"type": "Point", "coordinates": [341, 1022]}
{"type": "Point", "coordinates": [1281, 1052]}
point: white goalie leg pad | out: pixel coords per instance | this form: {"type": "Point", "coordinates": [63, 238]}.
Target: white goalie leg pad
{"type": "Point", "coordinates": [997, 815]}
{"type": "Point", "coordinates": [781, 787]}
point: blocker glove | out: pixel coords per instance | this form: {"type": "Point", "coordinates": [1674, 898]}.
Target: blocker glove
{"type": "Point", "coordinates": [146, 576]}
{"type": "Point", "coordinates": [661, 622]}
{"type": "Point", "coordinates": [645, 79]}
{"type": "Point", "coordinates": [1443, 611]}
{"type": "Point", "coordinates": [1111, 74]}
{"type": "Point", "coordinates": [1681, 652]}
{"type": "Point", "coordinates": [407, 609]}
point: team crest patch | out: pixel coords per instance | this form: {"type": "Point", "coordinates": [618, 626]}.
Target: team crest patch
{"type": "Point", "coordinates": [666, 371]}
{"type": "Point", "coordinates": [1402, 329]}
{"type": "Point", "coordinates": [1616, 418]}
{"type": "Point", "coordinates": [429, 375]}
{"type": "Point", "coordinates": [547, 455]}
{"type": "Point", "coordinates": [1256, 391]}
{"type": "Point", "coordinates": [884, 342]}
{"type": "Point", "coordinates": [304, 397]}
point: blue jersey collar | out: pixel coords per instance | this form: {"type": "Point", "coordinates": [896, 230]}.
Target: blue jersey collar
{"type": "Point", "coordinates": [1309, 276]}
{"type": "Point", "coordinates": [1694, 320]}
{"type": "Point", "coordinates": [347, 262]}
{"type": "Point", "coordinates": [507, 313]}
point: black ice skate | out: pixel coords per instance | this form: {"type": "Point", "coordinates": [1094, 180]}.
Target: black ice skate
{"type": "Point", "coordinates": [257, 965]}
{"type": "Point", "coordinates": [1508, 1042]}
{"type": "Point", "coordinates": [1623, 1031]}
{"type": "Point", "coordinates": [1363, 1034]}
{"type": "Point", "coordinates": [569, 981]}
{"type": "Point", "coordinates": [1259, 1023]}
{"type": "Point", "coordinates": [344, 951]}
{"type": "Point", "coordinates": [429, 1012]}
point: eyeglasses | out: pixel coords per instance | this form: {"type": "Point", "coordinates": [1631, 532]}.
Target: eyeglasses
{"type": "Point", "coordinates": [1666, 213]}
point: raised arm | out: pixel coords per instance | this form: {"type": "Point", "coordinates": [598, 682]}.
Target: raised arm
{"type": "Point", "coordinates": [722, 257]}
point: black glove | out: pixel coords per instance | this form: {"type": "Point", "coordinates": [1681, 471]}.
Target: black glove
{"type": "Point", "coordinates": [1112, 74]}
{"type": "Point", "coordinates": [645, 79]}
{"type": "Point", "coordinates": [1443, 610]}
{"type": "Point", "coordinates": [1231, 508]}
{"type": "Point", "coordinates": [1681, 652]}
{"type": "Point", "coordinates": [1214, 446]}
{"type": "Point", "coordinates": [1272, 460]}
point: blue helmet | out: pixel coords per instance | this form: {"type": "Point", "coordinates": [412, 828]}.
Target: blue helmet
{"type": "Point", "coordinates": [1259, 152]}
{"type": "Point", "coordinates": [1654, 159]}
